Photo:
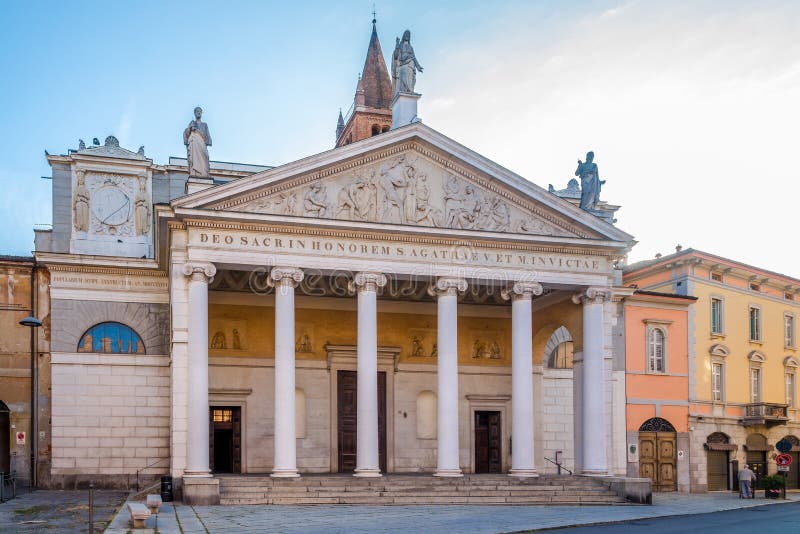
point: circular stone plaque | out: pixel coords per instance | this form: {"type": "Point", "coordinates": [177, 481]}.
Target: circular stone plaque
{"type": "Point", "coordinates": [111, 206]}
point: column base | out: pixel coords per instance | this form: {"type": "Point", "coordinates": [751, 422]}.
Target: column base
{"type": "Point", "coordinates": [200, 491]}
{"type": "Point", "coordinates": [285, 473]}
{"type": "Point", "coordinates": [367, 473]}
{"type": "Point", "coordinates": [594, 472]}
{"type": "Point", "coordinates": [448, 473]}
{"type": "Point", "coordinates": [523, 473]}
{"type": "Point", "coordinates": [197, 474]}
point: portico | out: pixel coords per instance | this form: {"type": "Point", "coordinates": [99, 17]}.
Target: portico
{"type": "Point", "coordinates": [461, 312]}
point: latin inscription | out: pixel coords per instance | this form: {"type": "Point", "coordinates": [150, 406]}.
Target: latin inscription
{"type": "Point", "coordinates": [399, 251]}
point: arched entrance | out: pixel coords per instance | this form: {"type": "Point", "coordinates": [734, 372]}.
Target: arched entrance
{"type": "Point", "coordinates": [657, 454]}
{"type": "Point", "coordinates": [5, 439]}
{"type": "Point", "coordinates": [718, 447]}
{"type": "Point", "coordinates": [793, 475]}
{"type": "Point", "coordinates": [757, 448]}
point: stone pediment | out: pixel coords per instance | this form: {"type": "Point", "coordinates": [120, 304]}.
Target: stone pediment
{"type": "Point", "coordinates": [111, 149]}
{"type": "Point", "coordinates": [412, 178]}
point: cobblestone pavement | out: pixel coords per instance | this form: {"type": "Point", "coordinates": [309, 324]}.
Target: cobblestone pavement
{"type": "Point", "coordinates": [451, 519]}
{"type": "Point", "coordinates": [59, 511]}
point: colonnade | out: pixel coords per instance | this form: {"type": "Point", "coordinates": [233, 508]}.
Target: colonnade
{"type": "Point", "coordinates": [445, 290]}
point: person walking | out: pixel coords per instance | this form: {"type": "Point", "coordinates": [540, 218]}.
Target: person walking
{"type": "Point", "coordinates": [746, 477]}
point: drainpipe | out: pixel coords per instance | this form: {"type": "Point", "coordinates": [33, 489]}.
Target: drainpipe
{"type": "Point", "coordinates": [34, 383]}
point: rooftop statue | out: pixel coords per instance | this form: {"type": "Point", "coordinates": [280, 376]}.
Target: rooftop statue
{"type": "Point", "coordinates": [590, 182]}
{"type": "Point", "coordinates": [197, 140]}
{"type": "Point", "coordinates": [404, 65]}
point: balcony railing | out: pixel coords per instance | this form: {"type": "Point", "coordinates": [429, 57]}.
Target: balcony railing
{"type": "Point", "coordinates": [765, 413]}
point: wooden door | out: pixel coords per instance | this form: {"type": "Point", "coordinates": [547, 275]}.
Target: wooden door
{"type": "Point", "coordinates": [347, 422]}
{"type": "Point", "coordinates": [225, 439]}
{"type": "Point", "coordinates": [5, 440]}
{"type": "Point", "coordinates": [793, 475]}
{"type": "Point", "coordinates": [717, 469]}
{"type": "Point", "coordinates": [488, 442]}
{"type": "Point", "coordinates": [757, 460]}
{"type": "Point", "coordinates": [657, 459]}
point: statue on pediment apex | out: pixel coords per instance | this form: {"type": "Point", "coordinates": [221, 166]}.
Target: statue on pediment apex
{"type": "Point", "coordinates": [404, 65]}
{"type": "Point", "coordinates": [590, 182]}
{"type": "Point", "coordinates": [197, 139]}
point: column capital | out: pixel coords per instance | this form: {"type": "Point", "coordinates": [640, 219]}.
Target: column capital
{"type": "Point", "coordinates": [522, 290]}
{"type": "Point", "coordinates": [200, 271]}
{"type": "Point", "coordinates": [285, 276]}
{"type": "Point", "coordinates": [593, 295]}
{"type": "Point", "coordinates": [367, 281]}
{"type": "Point", "coordinates": [447, 286]}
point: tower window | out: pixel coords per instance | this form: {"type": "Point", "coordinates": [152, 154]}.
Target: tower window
{"type": "Point", "coordinates": [376, 129]}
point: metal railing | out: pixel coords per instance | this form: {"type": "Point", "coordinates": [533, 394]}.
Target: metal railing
{"type": "Point", "coordinates": [138, 487]}
{"type": "Point", "coordinates": [8, 486]}
{"type": "Point", "coordinates": [559, 465]}
{"type": "Point", "coordinates": [766, 409]}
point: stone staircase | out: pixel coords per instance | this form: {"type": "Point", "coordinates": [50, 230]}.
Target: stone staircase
{"type": "Point", "coordinates": [415, 489]}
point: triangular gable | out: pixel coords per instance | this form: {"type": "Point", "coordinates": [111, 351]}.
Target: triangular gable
{"type": "Point", "coordinates": [410, 176]}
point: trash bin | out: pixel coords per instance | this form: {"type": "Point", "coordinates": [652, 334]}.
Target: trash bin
{"type": "Point", "coordinates": [166, 489]}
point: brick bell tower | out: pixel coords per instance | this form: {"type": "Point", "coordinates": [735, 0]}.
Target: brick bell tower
{"type": "Point", "coordinates": [371, 113]}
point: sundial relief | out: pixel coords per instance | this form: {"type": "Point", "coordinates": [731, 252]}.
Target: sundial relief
{"type": "Point", "coordinates": [405, 189]}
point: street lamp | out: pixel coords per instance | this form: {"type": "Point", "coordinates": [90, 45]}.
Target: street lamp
{"type": "Point", "coordinates": [31, 322]}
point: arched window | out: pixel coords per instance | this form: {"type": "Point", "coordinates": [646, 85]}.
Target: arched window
{"type": "Point", "coordinates": [656, 424]}
{"type": "Point", "coordinates": [115, 338]}
{"type": "Point", "coordinates": [559, 349]}
{"type": "Point", "coordinates": [376, 129]}
{"type": "Point", "coordinates": [655, 350]}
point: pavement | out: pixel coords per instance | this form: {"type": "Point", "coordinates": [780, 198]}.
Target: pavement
{"type": "Point", "coordinates": [59, 511]}
{"type": "Point", "coordinates": [67, 511]}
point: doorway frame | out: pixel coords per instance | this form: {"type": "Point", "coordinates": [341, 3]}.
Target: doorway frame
{"type": "Point", "coordinates": [344, 358]}
{"type": "Point", "coordinates": [235, 398]}
{"type": "Point", "coordinates": [490, 403]}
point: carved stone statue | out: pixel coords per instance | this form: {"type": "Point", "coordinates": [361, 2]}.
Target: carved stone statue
{"type": "Point", "coordinates": [404, 65]}
{"type": "Point", "coordinates": [81, 204]}
{"type": "Point", "coordinates": [142, 209]}
{"type": "Point", "coordinates": [590, 182]}
{"type": "Point", "coordinates": [218, 341]}
{"type": "Point", "coordinates": [197, 140]}
{"type": "Point", "coordinates": [416, 347]}
{"type": "Point", "coordinates": [394, 189]}
{"type": "Point", "coordinates": [315, 202]}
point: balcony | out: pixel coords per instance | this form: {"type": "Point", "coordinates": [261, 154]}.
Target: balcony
{"type": "Point", "coordinates": [765, 413]}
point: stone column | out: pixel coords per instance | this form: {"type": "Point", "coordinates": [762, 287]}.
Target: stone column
{"type": "Point", "coordinates": [446, 292]}
{"type": "Point", "coordinates": [284, 279]}
{"type": "Point", "coordinates": [594, 423]}
{"type": "Point", "coordinates": [200, 275]}
{"type": "Point", "coordinates": [521, 295]}
{"type": "Point", "coordinates": [367, 451]}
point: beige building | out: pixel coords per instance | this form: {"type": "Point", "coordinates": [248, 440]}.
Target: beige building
{"type": "Point", "coordinates": [743, 362]}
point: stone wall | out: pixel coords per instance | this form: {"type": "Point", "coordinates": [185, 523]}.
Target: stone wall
{"type": "Point", "coordinates": [111, 417]}
{"type": "Point", "coordinates": [556, 425]}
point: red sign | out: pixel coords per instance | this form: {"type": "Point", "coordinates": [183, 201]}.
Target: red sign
{"type": "Point", "coordinates": [783, 459]}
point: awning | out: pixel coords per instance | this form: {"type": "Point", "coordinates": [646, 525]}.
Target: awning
{"type": "Point", "coordinates": [759, 448]}
{"type": "Point", "coordinates": [720, 446]}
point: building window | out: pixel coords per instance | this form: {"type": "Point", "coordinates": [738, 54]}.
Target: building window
{"type": "Point", "coordinates": [788, 330]}
{"type": "Point", "coordinates": [790, 388]}
{"type": "Point", "coordinates": [656, 343]}
{"type": "Point", "coordinates": [717, 377]}
{"type": "Point", "coordinates": [788, 296]}
{"type": "Point", "coordinates": [755, 286]}
{"type": "Point", "coordinates": [559, 349]}
{"type": "Point", "coordinates": [717, 309]}
{"type": "Point", "coordinates": [755, 323]}
{"type": "Point", "coordinates": [115, 338]}
{"type": "Point", "coordinates": [755, 384]}
{"type": "Point", "coordinates": [221, 415]}
{"type": "Point", "coordinates": [716, 277]}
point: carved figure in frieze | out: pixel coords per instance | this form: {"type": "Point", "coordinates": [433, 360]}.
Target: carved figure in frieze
{"type": "Point", "coordinates": [303, 344]}
{"type": "Point", "coordinates": [452, 200]}
{"type": "Point", "coordinates": [218, 341]}
{"type": "Point", "coordinates": [141, 210]}
{"type": "Point", "coordinates": [467, 214]}
{"type": "Point", "coordinates": [500, 216]}
{"type": "Point", "coordinates": [424, 212]}
{"type": "Point", "coordinates": [394, 184]}
{"type": "Point", "coordinates": [435, 351]}
{"type": "Point", "coordinates": [479, 350]}
{"type": "Point", "coordinates": [357, 199]}
{"type": "Point", "coordinates": [416, 347]}
{"type": "Point", "coordinates": [535, 226]}
{"type": "Point", "coordinates": [494, 351]}
{"type": "Point", "coordinates": [315, 202]}
{"type": "Point", "coordinates": [237, 341]}
{"type": "Point", "coordinates": [81, 204]}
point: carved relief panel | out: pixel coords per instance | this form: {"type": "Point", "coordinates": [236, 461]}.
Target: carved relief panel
{"type": "Point", "coordinates": [227, 335]}
{"type": "Point", "coordinates": [407, 189]}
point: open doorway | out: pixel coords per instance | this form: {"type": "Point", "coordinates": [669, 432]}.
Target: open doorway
{"type": "Point", "coordinates": [488, 442]}
{"type": "Point", "coordinates": [225, 440]}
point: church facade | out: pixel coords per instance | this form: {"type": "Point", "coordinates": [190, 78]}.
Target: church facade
{"type": "Point", "coordinates": [398, 304]}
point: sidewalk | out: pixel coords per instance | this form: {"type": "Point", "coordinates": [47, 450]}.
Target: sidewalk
{"type": "Point", "coordinates": [428, 519]}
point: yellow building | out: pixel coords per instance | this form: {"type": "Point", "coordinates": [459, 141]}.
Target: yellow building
{"type": "Point", "coordinates": [743, 362]}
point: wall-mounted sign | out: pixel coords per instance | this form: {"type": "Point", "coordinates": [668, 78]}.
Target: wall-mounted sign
{"type": "Point", "coordinates": [20, 438]}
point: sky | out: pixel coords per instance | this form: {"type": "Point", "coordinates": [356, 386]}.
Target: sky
{"type": "Point", "coordinates": [692, 108]}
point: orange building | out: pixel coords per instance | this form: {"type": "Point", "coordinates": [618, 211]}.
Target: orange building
{"type": "Point", "coordinates": [656, 338]}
